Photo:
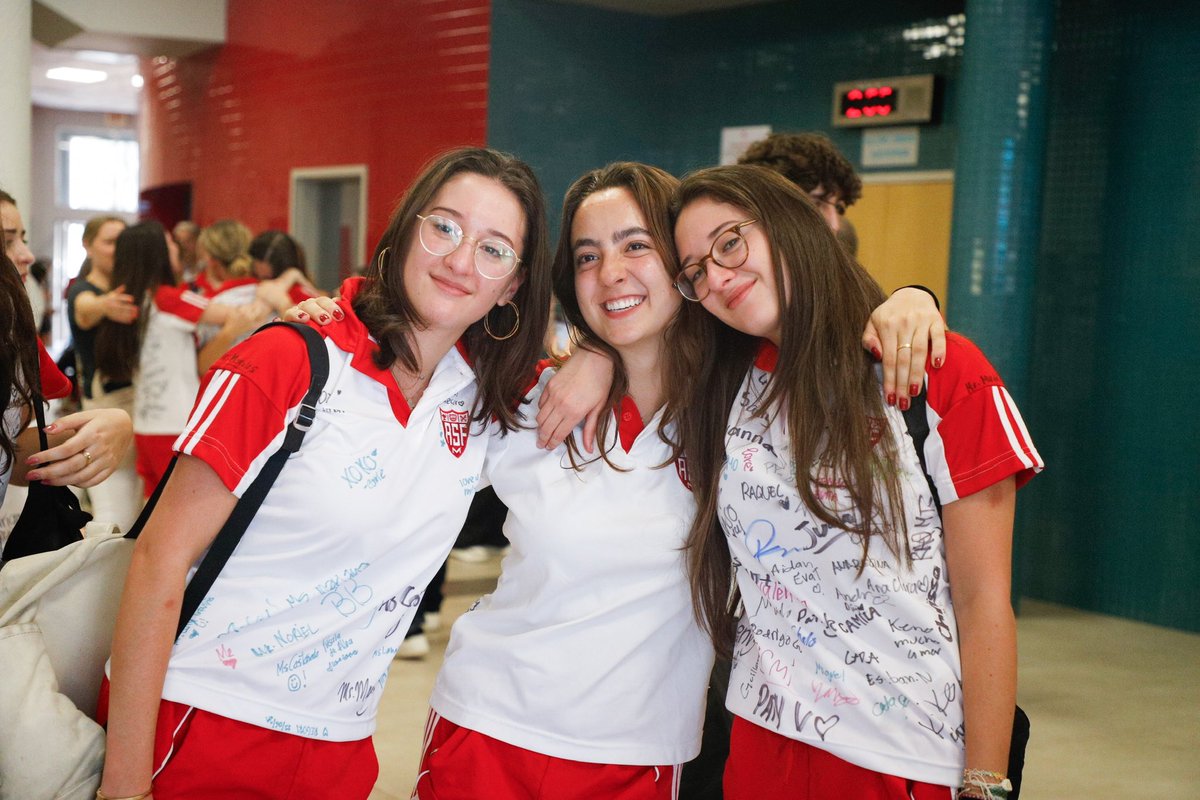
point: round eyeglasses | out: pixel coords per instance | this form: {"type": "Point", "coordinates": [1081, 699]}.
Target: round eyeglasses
{"type": "Point", "coordinates": [730, 251]}
{"type": "Point", "coordinates": [441, 236]}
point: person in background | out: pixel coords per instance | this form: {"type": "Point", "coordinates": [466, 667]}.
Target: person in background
{"type": "Point", "coordinates": [85, 447]}
{"type": "Point", "coordinates": [273, 254]}
{"type": "Point", "coordinates": [90, 301]}
{"type": "Point", "coordinates": [875, 647]}
{"type": "Point", "coordinates": [812, 162]}
{"type": "Point", "coordinates": [184, 233]}
{"type": "Point", "coordinates": [157, 354]}
{"type": "Point", "coordinates": [223, 249]}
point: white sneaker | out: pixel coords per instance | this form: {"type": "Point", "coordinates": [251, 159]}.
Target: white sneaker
{"type": "Point", "coordinates": [413, 648]}
{"type": "Point", "coordinates": [433, 622]}
{"type": "Point", "coordinates": [476, 554]}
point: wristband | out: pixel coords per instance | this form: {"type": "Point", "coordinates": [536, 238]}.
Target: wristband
{"type": "Point", "coordinates": [926, 290]}
{"type": "Point", "coordinates": [102, 796]}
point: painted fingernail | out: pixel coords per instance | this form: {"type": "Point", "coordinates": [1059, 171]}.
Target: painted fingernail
{"type": "Point", "coordinates": [33, 476]}
{"type": "Point", "coordinates": [937, 362]}
{"type": "Point", "coordinates": [52, 427]}
{"type": "Point", "coordinates": [914, 389]}
{"type": "Point", "coordinates": [891, 398]}
{"type": "Point", "coordinates": [300, 315]}
{"type": "Point", "coordinates": [31, 461]}
{"type": "Point", "coordinates": [904, 404]}
{"type": "Point", "coordinates": [338, 314]}
{"type": "Point", "coordinates": [878, 355]}
{"type": "Point", "coordinates": [324, 318]}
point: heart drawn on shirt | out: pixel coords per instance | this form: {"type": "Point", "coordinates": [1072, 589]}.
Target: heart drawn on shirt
{"type": "Point", "coordinates": [822, 725]}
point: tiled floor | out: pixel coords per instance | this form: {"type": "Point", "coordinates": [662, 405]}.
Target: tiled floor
{"type": "Point", "coordinates": [1114, 703]}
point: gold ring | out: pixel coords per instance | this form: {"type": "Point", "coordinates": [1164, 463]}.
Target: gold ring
{"type": "Point", "coordinates": [901, 347]}
{"type": "Point", "coordinates": [88, 456]}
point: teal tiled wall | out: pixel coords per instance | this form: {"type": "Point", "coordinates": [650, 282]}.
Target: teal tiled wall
{"type": "Point", "coordinates": [573, 87]}
{"type": "Point", "coordinates": [1114, 523]}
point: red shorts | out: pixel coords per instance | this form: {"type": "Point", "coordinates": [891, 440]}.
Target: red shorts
{"type": "Point", "coordinates": [764, 764]}
{"type": "Point", "coordinates": [462, 764]}
{"type": "Point", "coordinates": [199, 755]}
{"type": "Point", "coordinates": [153, 457]}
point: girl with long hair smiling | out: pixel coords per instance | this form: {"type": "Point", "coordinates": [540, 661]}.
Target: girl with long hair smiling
{"type": "Point", "coordinates": [855, 674]}
{"type": "Point", "coordinates": [272, 688]}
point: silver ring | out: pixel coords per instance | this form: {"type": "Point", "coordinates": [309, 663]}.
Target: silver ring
{"type": "Point", "coordinates": [88, 456]}
{"type": "Point", "coordinates": [901, 347]}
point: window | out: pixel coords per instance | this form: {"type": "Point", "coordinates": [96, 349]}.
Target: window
{"type": "Point", "coordinates": [98, 173]}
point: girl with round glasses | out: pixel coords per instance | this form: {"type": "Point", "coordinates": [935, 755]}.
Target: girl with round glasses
{"type": "Point", "coordinates": [855, 672]}
{"type": "Point", "coordinates": [272, 688]}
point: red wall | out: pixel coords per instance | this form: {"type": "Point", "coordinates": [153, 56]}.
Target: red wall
{"type": "Point", "coordinates": [310, 83]}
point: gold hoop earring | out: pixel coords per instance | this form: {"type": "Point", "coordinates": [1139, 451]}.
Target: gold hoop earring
{"type": "Point", "coordinates": [516, 322]}
{"type": "Point", "coordinates": [379, 261]}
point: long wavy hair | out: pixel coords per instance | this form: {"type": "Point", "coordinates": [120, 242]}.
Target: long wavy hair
{"type": "Point", "coordinates": [652, 189]}
{"type": "Point", "coordinates": [824, 384]}
{"type": "Point", "coordinates": [18, 351]}
{"type": "Point", "coordinates": [141, 264]}
{"type": "Point", "coordinates": [503, 368]}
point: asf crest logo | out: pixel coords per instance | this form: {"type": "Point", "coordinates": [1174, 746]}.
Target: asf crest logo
{"type": "Point", "coordinates": [455, 426]}
{"type": "Point", "coordinates": [681, 469]}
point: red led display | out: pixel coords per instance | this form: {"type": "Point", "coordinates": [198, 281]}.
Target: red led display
{"type": "Point", "coordinates": [869, 101]}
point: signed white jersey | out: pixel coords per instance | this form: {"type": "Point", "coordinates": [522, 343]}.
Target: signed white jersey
{"type": "Point", "coordinates": [299, 630]}
{"type": "Point", "coordinates": [865, 667]}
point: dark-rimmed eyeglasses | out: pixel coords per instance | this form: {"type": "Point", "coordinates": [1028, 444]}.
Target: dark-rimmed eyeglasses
{"type": "Point", "coordinates": [837, 205]}
{"type": "Point", "coordinates": [441, 236]}
{"type": "Point", "coordinates": [730, 250]}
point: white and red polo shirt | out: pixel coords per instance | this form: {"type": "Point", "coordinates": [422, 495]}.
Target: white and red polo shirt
{"type": "Point", "coordinates": [588, 649]}
{"type": "Point", "coordinates": [167, 379]}
{"type": "Point", "coordinates": [233, 292]}
{"type": "Point", "coordinates": [866, 668]}
{"type": "Point", "coordinates": [299, 630]}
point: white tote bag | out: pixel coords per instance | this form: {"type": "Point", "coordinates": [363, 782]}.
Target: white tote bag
{"type": "Point", "coordinates": [57, 612]}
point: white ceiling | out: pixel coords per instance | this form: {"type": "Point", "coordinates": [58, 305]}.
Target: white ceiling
{"type": "Point", "coordinates": [116, 94]}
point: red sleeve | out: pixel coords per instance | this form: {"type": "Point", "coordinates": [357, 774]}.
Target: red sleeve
{"type": "Point", "coordinates": [181, 302]}
{"type": "Point", "coordinates": [54, 383]}
{"type": "Point", "coordinates": [299, 293]}
{"type": "Point", "coordinates": [243, 404]}
{"type": "Point", "coordinates": [976, 434]}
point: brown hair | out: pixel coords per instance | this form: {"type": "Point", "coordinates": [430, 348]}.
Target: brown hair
{"type": "Point", "coordinates": [808, 160]}
{"type": "Point", "coordinates": [652, 189]}
{"type": "Point", "coordinates": [18, 349]}
{"type": "Point", "coordinates": [92, 228]}
{"type": "Point", "coordinates": [824, 383]}
{"type": "Point", "coordinates": [141, 263]}
{"type": "Point", "coordinates": [503, 367]}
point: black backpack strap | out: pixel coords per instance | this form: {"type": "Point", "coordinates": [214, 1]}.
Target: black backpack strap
{"type": "Point", "coordinates": [247, 506]}
{"type": "Point", "coordinates": [918, 429]}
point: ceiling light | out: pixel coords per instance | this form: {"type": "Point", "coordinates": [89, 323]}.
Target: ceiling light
{"type": "Point", "coordinates": [138, 81]}
{"type": "Point", "coordinates": [76, 75]}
